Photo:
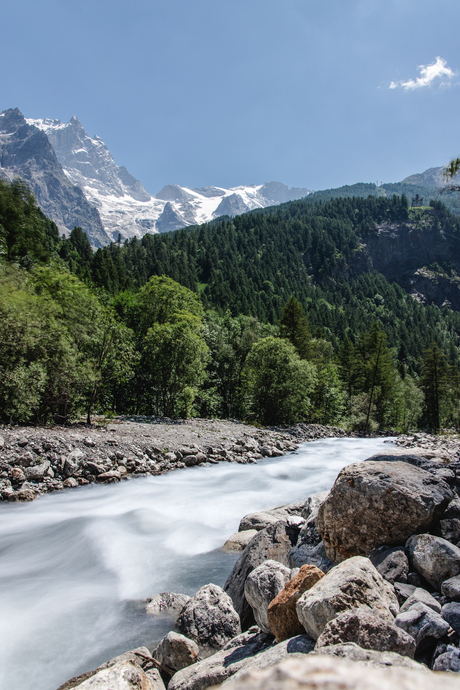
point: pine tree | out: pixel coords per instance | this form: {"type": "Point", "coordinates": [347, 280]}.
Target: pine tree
{"type": "Point", "coordinates": [293, 326]}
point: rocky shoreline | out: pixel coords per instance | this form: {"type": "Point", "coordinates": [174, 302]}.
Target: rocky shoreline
{"type": "Point", "coordinates": [358, 587]}
{"type": "Point", "coordinates": [36, 460]}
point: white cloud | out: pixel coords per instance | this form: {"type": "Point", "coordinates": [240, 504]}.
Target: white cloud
{"type": "Point", "coordinates": [428, 74]}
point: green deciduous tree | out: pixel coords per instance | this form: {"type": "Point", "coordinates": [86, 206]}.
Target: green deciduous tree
{"type": "Point", "coordinates": [278, 382]}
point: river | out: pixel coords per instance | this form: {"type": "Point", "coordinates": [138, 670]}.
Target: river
{"type": "Point", "coordinates": [73, 563]}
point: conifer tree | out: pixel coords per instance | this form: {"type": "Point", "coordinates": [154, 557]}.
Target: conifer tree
{"type": "Point", "coordinates": [294, 327]}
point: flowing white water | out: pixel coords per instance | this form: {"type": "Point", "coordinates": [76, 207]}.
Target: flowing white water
{"type": "Point", "coordinates": [72, 563]}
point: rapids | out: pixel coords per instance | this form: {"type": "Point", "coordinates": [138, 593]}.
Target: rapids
{"type": "Point", "coordinates": [73, 564]}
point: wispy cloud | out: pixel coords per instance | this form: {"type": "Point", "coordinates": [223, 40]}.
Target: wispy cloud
{"type": "Point", "coordinates": [428, 75]}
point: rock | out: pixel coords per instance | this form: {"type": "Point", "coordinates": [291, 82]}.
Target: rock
{"type": "Point", "coordinates": [37, 472]}
{"type": "Point", "coordinates": [124, 675]}
{"type": "Point", "coordinates": [368, 631]}
{"type": "Point", "coordinates": [25, 460]}
{"type": "Point", "coordinates": [2, 442]}
{"type": "Point", "coordinates": [321, 672]}
{"type": "Point", "coordinates": [22, 442]}
{"type": "Point", "coordinates": [301, 644]}
{"type": "Point", "coordinates": [434, 558]}
{"type": "Point", "coordinates": [262, 519]}
{"type": "Point", "coordinates": [282, 613]}
{"type": "Point", "coordinates": [422, 595]}
{"type": "Point", "coordinates": [70, 483]}
{"type": "Point", "coordinates": [449, 661]}
{"type": "Point", "coordinates": [353, 583]}
{"type": "Point", "coordinates": [239, 540]}
{"type": "Point", "coordinates": [209, 617]}
{"type": "Point", "coordinates": [452, 510]}
{"type": "Point", "coordinates": [309, 549]}
{"type": "Point", "coordinates": [225, 663]}
{"type": "Point", "coordinates": [403, 591]}
{"type": "Point", "coordinates": [389, 500]}
{"type": "Point", "coordinates": [175, 652]}
{"type": "Point", "coordinates": [167, 604]}
{"type": "Point", "coordinates": [448, 529]}
{"type": "Point", "coordinates": [451, 613]}
{"type": "Point", "coordinates": [17, 475]}
{"type": "Point", "coordinates": [262, 585]}
{"type": "Point", "coordinates": [391, 562]}
{"type": "Point", "coordinates": [110, 476]}
{"type": "Point", "coordinates": [271, 543]}
{"type": "Point", "coordinates": [451, 588]}
{"type": "Point", "coordinates": [76, 456]}
{"type": "Point", "coordinates": [421, 621]}
{"type": "Point", "coordinates": [369, 657]}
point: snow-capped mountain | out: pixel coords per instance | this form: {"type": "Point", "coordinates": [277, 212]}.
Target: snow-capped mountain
{"type": "Point", "coordinates": [124, 205]}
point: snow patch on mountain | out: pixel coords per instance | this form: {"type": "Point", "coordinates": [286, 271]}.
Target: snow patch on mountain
{"type": "Point", "coordinates": [126, 208]}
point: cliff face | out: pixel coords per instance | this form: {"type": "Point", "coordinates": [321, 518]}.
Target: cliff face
{"type": "Point", "coordinates": [26, 152]}
{"type": "Point", "coordinates": [420, 255]}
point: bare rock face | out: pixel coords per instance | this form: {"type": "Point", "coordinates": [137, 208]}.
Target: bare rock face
{"type": "Point", "coordinates": [282, 613]}
{"type": "Point", "coordinates": [352, 584]}
{"type": "Point", "coordinates": [389, 501]}
{"type": "Point", "coordinates": [175, 652]}
{"type": "Point", "coordinates": [209, 618]}
{"type": "Point", "coordinates": [435, 558]}
{"type": "Point", "coordinates": [368, 631]}
{"type": "Point", "coordinates": [262, 585]}
{"type": "Point", "coordinates": [271, 543]}
{"type": "Point", "coordinates": [321, 672]}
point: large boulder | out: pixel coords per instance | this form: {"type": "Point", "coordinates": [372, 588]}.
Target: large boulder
{"type": "Point", "coordinates": [368, 631]}
{"type": "Point", "coordinates": [244, 652]}
{"type": "Point", "coordinates": [321, 672]}
{"type": "Point", "coordinates": [262, 585]}
{"type": "Point", "coordinates": [271, 543]}
{"type": "Point", "coordinates": [282, 612]}
{"type": "Point", "coordinates": [389, 501]}
{"type": "Point", "coordinates": [134, 670]}
{"type": "Point", "coordinates": [435, 558]}
{"type": "Point", "coordinates": [209, 618]}
{"type": "Point", "coordinates": [126, 675]}
{"type": "Point", "coordinates": [175, 651]}
{"type": "Point", "coordinates": [368, 657]}
{"type": "Point", "coordinates": [224, 663]}
{"type": "Point", "coordinates": [352, 584]}
{"type": "Point", "coordinates": [239, 540]}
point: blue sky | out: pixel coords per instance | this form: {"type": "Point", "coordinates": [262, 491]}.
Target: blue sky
{"type": "Point", "coordinates": [312, 93]}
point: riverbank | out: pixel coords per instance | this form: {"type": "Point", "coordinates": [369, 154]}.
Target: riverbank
{"type": "Point", "coordinates": [39, 460]}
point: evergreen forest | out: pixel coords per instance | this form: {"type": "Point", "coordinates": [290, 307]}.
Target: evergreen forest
{"type": "Point", "coordinates": [272, 317]}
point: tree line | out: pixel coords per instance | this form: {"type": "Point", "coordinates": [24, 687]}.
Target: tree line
{"type": "Point", "coordinates": [73, 343]}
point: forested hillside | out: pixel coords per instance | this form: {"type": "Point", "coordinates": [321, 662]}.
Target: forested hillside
{"type": "Point", "coordinates": [278, 315]}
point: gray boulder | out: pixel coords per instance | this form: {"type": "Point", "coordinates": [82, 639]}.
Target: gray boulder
{"type": "Point", "coordinates": [368, 657]}
{"type": "Point", "coordinates": [167, 604]}
{"type": "Point", "coordinates": [449, 661]}
{"type": "Point", "coordinates": [209, 617]}
{"type": "Point", "coordinates": [225, 663]}
{"type": "Point", "coordinates": [321, 672]}
{"type": "Point", "coordinates": [390, 501]}
{"type": "Point", "coordinates": [421, 621]}
{"type": "Point", "coordinates": [175, 651]}
{"type": "Point", "coordinates": [271, 543]}
{"type": "Point", "coordinates": [37, 472]}
{"type": "Point", "coordinates": [436, 559]}
{"type": "Point", "coordinates": [368, 631]}
{"type": "Point", "coordinates": [239, 540]}
{"type": "Point", "coordinates": [451, 613]}
{"type": "Point", "coordinates": [403, 591]}
{"type": "Point", "coordinates": [451, 588]}
{"type": "Point", "coordinates": [262, 585]}
{"type": "Point", "coordinates": [391, 562]}
{"type": "Point", "coordinates": [354, 583]}
{"type": "Point", "coordinates": [421, 595]}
